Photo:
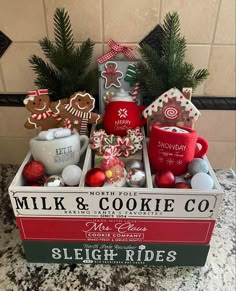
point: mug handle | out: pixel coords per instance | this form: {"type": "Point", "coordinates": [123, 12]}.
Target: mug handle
{"type": "Point", "coordinates": [84, 143]}
{"type": "Point", "coordinates": [204, 147]}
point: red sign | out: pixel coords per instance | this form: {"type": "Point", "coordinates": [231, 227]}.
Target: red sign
{"type": "Point", "coordinates": [116, 230]}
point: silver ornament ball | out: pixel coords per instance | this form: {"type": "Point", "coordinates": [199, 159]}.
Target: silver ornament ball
{"type": "Point", "coordinates": [198, 165]}
{"type": "Point", "coordinates": [135, 177]}
{"type": "Point", "coordinates": [54, 181]}
{"type": "Point", "coordinates": [133, 164]}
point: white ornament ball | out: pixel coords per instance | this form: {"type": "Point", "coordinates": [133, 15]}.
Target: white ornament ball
{"type": "Point", "coordinates": [71, 175]}
{"type": "Point", "coordinates": [198, 165]}
{"type": "Point", "coordinates": [202, 181]}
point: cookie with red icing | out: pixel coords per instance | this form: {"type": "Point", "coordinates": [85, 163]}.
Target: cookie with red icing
{"type": "Point", "coordinates": [112, 76]}
{"type": "Point", "coordinates": [77, 113]}
{"type": "Point", "coordinates": [44, 113]}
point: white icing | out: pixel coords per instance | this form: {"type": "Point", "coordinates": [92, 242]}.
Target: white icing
{"type": "Point", "coordinates": [158, 103]}
{"type": "Point", "coordinates": [83, 94]}
{"type": "Point", "coordinates": [35, 125]}
{"type": "Point", "coordinates": [27, 99]}
{"type": "Point", "coordinates": [57, 109]}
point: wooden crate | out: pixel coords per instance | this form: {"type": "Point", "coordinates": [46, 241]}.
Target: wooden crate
{"type": "Point", "coordinates": [182, 219]}
{"type": "Point", "coordinates": [112, 202]}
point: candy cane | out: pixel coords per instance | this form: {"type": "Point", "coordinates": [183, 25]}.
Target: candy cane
{"type": "Point", "coordinates": [109, 157]}
{"type": "Point", "coordinates": [135, 92]}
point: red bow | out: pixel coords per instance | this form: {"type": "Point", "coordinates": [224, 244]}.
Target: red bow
{"type": "Point", "coordinates": [38, 92]}
{"type": "Point", "coordinates": [115, 49]}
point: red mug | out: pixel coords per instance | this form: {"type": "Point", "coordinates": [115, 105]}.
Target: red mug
{"type": "Point", "coordinates": [173, 147]}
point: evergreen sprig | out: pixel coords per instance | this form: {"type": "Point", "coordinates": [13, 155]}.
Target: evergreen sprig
{"type": "Point", "coordinates": [66, 69]}
{"type": "Point", "coordinates": [164, 67]}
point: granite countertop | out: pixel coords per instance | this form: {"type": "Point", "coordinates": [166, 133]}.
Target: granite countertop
{"type": "Point", "coordinates": [218, 274]}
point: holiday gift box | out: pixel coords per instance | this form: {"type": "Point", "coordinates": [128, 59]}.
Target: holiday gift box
{"type": "Point", "coordinates": [145, 202]}
{"type": "Point", "coordinates": [184, 218]}
{"type": "Point", "coordinates": [107, 253]}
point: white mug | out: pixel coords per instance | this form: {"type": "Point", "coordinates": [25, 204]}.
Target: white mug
{"type": "Point", "coordinates": [58, 153]}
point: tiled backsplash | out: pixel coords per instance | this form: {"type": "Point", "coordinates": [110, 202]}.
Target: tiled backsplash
{"type": "Point", "coordinates": [208, 25]}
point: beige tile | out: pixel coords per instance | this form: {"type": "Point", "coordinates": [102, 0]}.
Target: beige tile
{"type": "Point", "coordinates": [221, 81]}
{"type": "Point", "coordinates": [217, 126]}
{"type": "Point", "coordinates": [225, 30]}
{"type": "Point", "coordinates": [233, 164]}
{"type": "Point", "coordinates": [13, 150]}
{"type": "Point", "coordinates": [1, 84]}
{"type": "Point", "coordinates": [130, 21]}
{"type": "Point", "coordinates": [85, 16]}
{"type": "Point", "coordinates": [12, 121]}
{"type": "Point", "coordinates": [17, 73]}
{"type": "Point", "coordinates": [221, 154]}
{"type": "Point", "coordinates": [22, 20]}
{"type": "Point", "coordinates": [97, 52]}
{"type": "Point", "coordinates": [198, 55]}
{"type": "Point", "coordinates": [197, 18]}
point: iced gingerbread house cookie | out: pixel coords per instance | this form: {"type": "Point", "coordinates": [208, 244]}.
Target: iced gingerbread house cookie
{"type": "Point", "coordinates": [172, 107]}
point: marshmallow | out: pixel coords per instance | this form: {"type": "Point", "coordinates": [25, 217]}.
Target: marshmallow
{"type": "Point", "coordinates": [63, 132]}
{"type": "Point", "coordinates": [45, 135]}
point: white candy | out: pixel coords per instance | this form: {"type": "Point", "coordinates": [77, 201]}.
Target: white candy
{"type": "Point", "coordinates": [62, 132]}
{"type": "Point", "coordinates": [71, 175]}
{"type": "Point", "coordinates": [45, 135]}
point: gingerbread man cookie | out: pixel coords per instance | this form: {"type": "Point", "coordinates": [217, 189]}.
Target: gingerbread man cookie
{"type": "Point", "coordinates": [77, 113]}
{"type": "Point", "coordinates": [111, 75]}
{"type": "Point", "coordinates": [44, 113]}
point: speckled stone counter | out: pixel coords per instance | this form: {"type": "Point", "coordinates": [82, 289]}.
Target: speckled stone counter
{"type": "Point", "coordinates": [217, 275]}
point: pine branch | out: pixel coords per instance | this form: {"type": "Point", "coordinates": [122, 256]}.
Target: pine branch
{"type": "Point", "coordinates": [150, 84]}
{"type": "Point", "coordinates": [63, 32]}
{"type": "Point", "coordinates": [199, 76]}
{"type": "Point", "coordinates": [184, 77]}
{"type": "Point", "coordinates": [173, 45]}
{"type": "Point", "coordinates": [83, 56]}
{"type": "Point", "coordinates": [163, 66]}
{"type": "Point", "coordinates": [67, 70]}
{"type": "Point", "coordinates": [42, 69]}
{"type": "Point", "coordinates": [53, 53]}
{"type": "Point", "coordinates": [89, 82]}
{"type": "Point", "coordinates": [48, 48]}
{"type": "Point", "coordinates": [151, 57]}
